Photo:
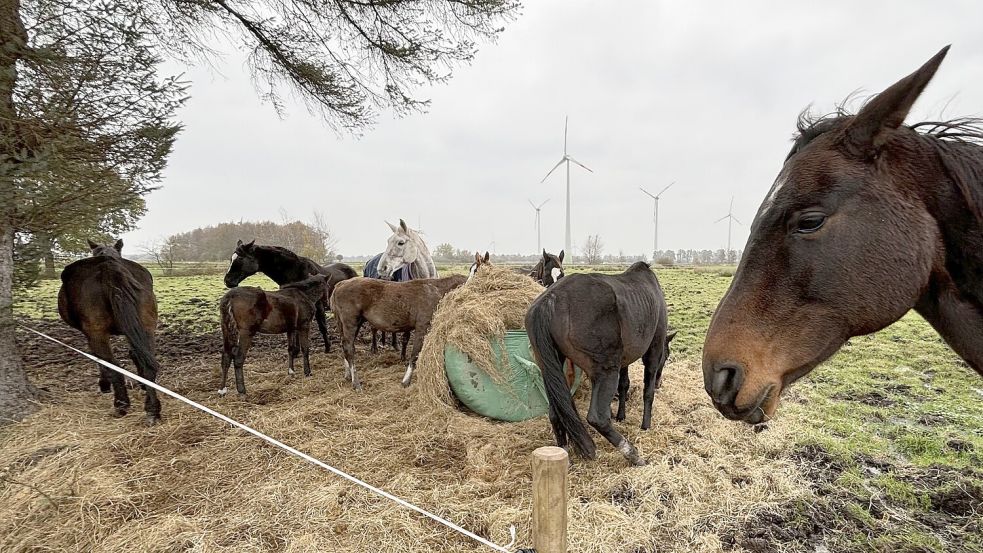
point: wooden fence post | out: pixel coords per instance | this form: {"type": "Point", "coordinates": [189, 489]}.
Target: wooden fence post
{"type": "Point", "coordinates": [549, 499]}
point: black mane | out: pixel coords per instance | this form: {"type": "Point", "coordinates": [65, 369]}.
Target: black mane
{"type": "Point", "coordinates": [958, 143]}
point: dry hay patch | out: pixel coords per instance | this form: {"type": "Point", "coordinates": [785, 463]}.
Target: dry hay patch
{"type": "Point", "coordinates": [74, 478]}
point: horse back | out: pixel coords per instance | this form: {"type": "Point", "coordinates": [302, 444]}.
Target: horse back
{"type": "Point", "coordinates": [87, 285]}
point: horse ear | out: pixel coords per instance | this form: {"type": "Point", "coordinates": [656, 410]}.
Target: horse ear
{"type": "Point", "coordinates": [544, 253]}
{"type": "Point", "coordinates": [392, 227]}
{"type": "Point", "coordinates": [670, 336]}
{"type": "Point", "coordinates": [560, 257]}
{"type": "Point", "coordinates": [487, 257]}
{"type": "Point", "coordinates": [477, 257]}
{"type": "Point", "coordinates": [249, 246]}
{"type": "Point", "coordinates": [119, 245]}
{"type": "Point", "coordinates": [238, 244]}
{"type": "Point", "coordinates": [92, 245]}
{"type": "Point", "coordinates": [402, 225]}
{"type": "Point", "coordinates": [887, 111]}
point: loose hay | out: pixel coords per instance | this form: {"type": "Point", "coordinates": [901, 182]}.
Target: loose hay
{"type": "Point", "coordinates": [74, 479]}
{"type": "Point", "coordinates": [493, 301]}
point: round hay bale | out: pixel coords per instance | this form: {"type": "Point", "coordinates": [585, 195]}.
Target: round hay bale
{"type": "Point", "coordinates": [520, 397]}
{"type": "Point", "coordinates": [470, 352]}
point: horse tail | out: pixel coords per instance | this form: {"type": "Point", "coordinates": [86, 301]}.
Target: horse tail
{"type": "Point", "coordinates": [230, 329]}
{"type": "Point", "coordinates": [124, 297]}
{"type": "Point", "coordinates": [567, 420]}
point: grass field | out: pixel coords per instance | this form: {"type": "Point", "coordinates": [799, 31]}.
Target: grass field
{"type": "Point", "coordinates": [887, 436]}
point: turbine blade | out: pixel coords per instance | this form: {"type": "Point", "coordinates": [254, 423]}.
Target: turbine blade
{"type": "Point", "coordinates": [646, 192]}
{"type": "Point", "coordinates": [558, 163]}
{"type": "Point", "coordinates": [566, 120]}
{"type": "Point", "coordinates": [736, 221]}
{"type": "Point", "coordinates": [544, 203]}
{"type": "Point", "coordinates": [721, 219]}
{"type": "Point", "coordinates": [533, 205]}
{"type": "Point", "coordinates": [666, 188]}
{"type": "Point", "coordinates": [731, 208]}
{"type": "Point", "coordinates": [580, 164]}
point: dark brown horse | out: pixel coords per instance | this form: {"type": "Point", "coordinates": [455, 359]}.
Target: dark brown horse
{"type": "Point", "coordinates": [284, 267]}
{"type": "Point", "coordinates": [549, 269]}
{"type": "Point", "coordinates": [106, 295]}
{"type": "Point", "coordinates": [867, 219]}
{"type": "Point", "coordinates": [390, 307]}
{"type": "Point", "coordinates": [602, 323]}
{"type": "Point", "coordinates": [247, 310]}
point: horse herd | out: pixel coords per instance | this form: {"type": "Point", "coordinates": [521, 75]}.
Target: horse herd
{"type": "Point", "coordinates": [868, 219]}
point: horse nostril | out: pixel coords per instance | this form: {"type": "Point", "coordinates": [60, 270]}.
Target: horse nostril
{"type": "Point", "coordinates": [726, 382]}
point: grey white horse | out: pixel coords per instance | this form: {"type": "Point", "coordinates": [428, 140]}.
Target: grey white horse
{"type": "Point", "coordinates": [406, 248]}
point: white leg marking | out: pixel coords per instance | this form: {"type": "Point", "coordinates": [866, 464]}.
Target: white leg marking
{"type": "Point", "coordinates": [408, 376]}
{"type": "Point", "coordinates": [348, 370]}
{"type": "Point", "coordinates": [223, 390]}
{"type": "Point", "coordinates": [290, 371]}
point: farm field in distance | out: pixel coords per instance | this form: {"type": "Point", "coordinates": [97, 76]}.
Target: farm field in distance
{"type": "Point", "coordinates": [878, 449]}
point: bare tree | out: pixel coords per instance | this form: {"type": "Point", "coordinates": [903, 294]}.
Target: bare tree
{"type": "Point", "coordinates": [593, 249]}
{"type": "Point", "coordinates": [162, 250]}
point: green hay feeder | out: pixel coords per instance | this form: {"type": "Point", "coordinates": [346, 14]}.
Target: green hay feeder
{"type": "Point", "coordinates": [518, 394]}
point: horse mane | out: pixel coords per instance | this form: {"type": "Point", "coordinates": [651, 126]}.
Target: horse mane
{"type": "Point", "coordinates": [957, 142]}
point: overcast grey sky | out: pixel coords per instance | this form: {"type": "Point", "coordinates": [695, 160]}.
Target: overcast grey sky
{"type": "Point", "coordinates": [702, 93]}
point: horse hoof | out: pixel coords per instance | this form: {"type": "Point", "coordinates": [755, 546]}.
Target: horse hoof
{"type": "Point", "coordinates": [638, 462]}
{"type": "Point", "coordinates": [619, 418]}
{"type": "Point", "coordinates": [242, 395]}
{"type": "Point", "coordinates": [119, 412]}
{"type": "Point", "coordinates": [223, 391]}
{"type": "Point", "coordinates": [104, 388]}
{"type": "Point", "coordinates": [152, 420]}
{"type": "Point", "coordinates": [405, 383]}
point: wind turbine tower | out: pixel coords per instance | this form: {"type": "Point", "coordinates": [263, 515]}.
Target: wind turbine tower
{"type": "Point", "coordinates": [566, 159]}
{"type": "Point", "coordinates": [731, 219]}
{"type": "Point", "coordinates": [655, 197]}
{"type": "Point", "coordinates": [539, 246]}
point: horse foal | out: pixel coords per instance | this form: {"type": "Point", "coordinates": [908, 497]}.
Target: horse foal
{"type": "Point", "coordinates": [246, 311]}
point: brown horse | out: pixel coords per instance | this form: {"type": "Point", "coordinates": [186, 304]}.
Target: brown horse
{"type": "Point", "coordinates": [479, 262]}
{"type": "Point", "coordinates": [247, 310]}
{"type": "Point", "coordinates": [285, 267]}
{"type": "Point", "coordinates": [549, 269]}
{"type": "Point", "coordinates": [390, 307]}
{"type": "Point", "coordinates": [106, 295]}
{"type": "Point", "coordinates": [867, 219]}
{"type": "Point", "coordinates": [602, 323]}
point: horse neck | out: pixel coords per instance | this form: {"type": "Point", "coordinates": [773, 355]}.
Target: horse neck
{"type": "Point", "coordinates": [280, 268]}
{"type": "Point", "coordinates": [958, 211]}
{"type": "Point", "coordinates": [423, 266]}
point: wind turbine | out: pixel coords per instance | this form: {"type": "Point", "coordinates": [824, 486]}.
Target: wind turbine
{"type": "Point", "coordinates": [730, 215]}
{"type": "Point", "coordinates": [566, 159]}
{"type": "Point", "coordinates": [539, 246]}
{"type": "Point", "coordinates": [656, 197]}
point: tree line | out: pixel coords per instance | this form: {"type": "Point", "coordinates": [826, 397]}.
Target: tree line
{"type": "Point", "coordinates": [216, 243]}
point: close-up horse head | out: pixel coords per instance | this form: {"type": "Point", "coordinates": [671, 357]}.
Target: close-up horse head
{"type": "Point", "coordinates": [402, 250]}
{"type": "Point", "coordinates": [846, 242]}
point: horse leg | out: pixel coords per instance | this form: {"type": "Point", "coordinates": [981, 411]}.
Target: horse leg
{"type": "Point", "coordinates": [245, 341]}
{"type": "Point", "coordinates": [417, 346]}
{"type": "Point", "coordinates": [151, 403]}
{"type": "Point", "coordinates": [322, 324]}
{"type": "Point", "coordinates": [604, 386]}
{"type": "Point", "coordinates": [653, 377]}
{"type": "Point", "coordinates": [375, 348]}
{"type": "Point", "coordinates": [406, 340]}
{"type": "Point", "coordinates": [292, 351]}
{"type": "Point", "coordinates": [623, 383]}
{"type": "Point", "coordinates": [100, 347]}
{"type": "Point", "coordinates": [392, 339]}
{"type": "Point", "coordinates": [349, 332]}
{"type": "Point", "coordinates": [228, 351]}
{"type": "Point", "coordinates": [305, 349]}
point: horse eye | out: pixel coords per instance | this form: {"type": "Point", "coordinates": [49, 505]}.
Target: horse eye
{"type": "Point", "coordinates": [400, 243]}
{"type": "Point", "coordinates": [810, 222]}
